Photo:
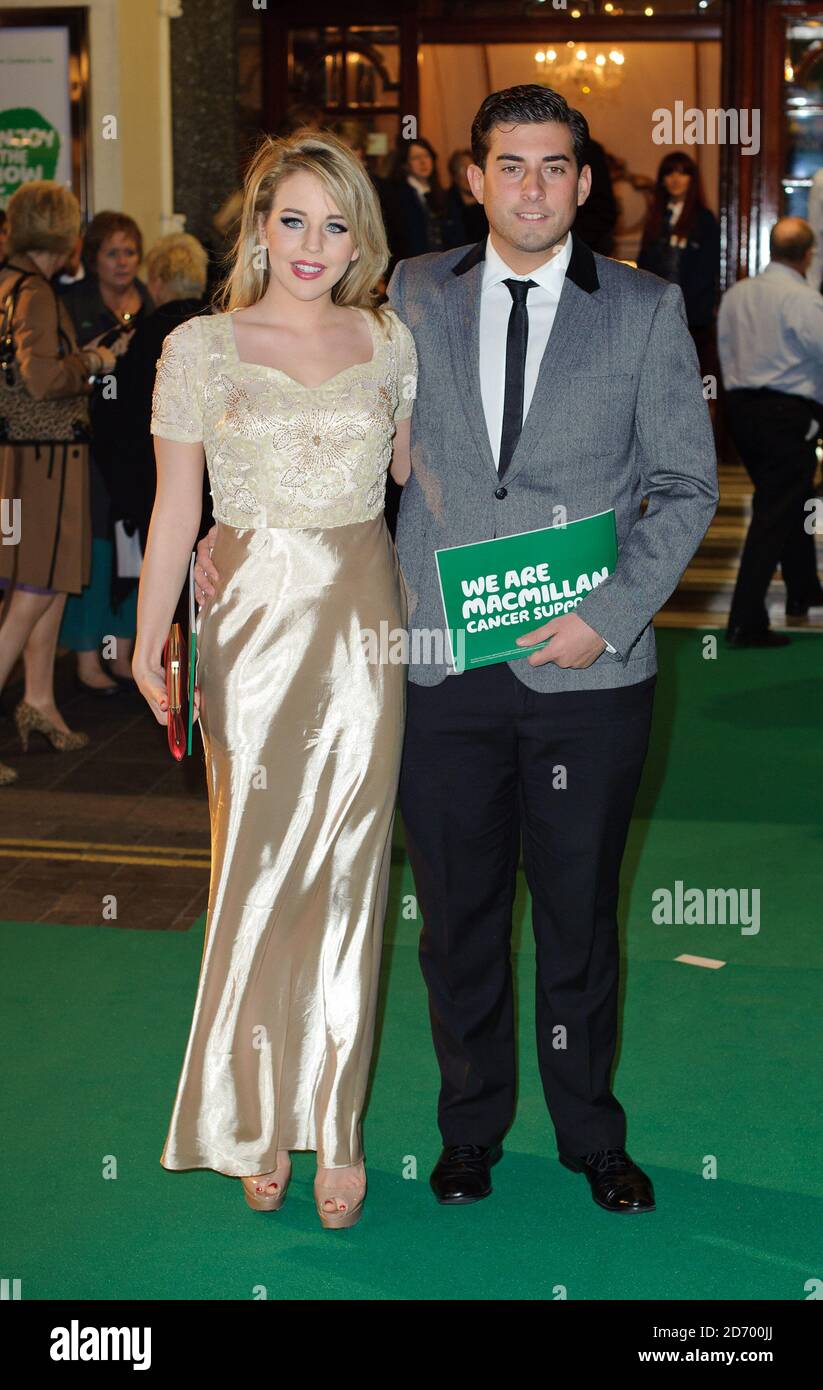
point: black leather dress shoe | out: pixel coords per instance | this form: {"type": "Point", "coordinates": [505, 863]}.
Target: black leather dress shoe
{"type": "Point", "coordinates": [462, 1173]}
{"type": "Point", "coordinates": [100, 692]}
{"type": "Point", "coordinates": [800, 610]}
{"type": "Point", "coordinates": [739, 637]}
{"type": "Point", "coordinates": [616, 1182]}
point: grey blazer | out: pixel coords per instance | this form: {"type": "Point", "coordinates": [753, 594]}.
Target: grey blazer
{"type": "Point", "coordinates": [617, 415]}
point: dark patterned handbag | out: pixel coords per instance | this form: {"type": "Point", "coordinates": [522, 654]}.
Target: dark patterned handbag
{"type": "Point", "coordinates": [23, 420]}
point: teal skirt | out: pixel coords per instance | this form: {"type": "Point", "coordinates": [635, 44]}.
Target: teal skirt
{"type": "Point", "coordinates": [89, 616]}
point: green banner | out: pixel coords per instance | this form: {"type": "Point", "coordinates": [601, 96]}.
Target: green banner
{"type": "Point", "coordinates": [494, 591]}
{"type": "Point", "coordinates": [29, 149]}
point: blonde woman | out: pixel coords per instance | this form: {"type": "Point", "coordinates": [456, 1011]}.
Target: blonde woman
{"type": "Point", "coordinates": [300, 393]}
{"type": "Point", "coordinates": [44, 483]}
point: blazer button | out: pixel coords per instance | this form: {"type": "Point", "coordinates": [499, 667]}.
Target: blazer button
{"type": "Point", "coordinates": [500, 493]}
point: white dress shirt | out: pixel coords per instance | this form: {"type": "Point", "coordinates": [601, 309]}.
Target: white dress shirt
{"type": "Point", "coordinates": [495, 308]}
{"type": "Point", "coordinates": [675, 209]}
{"type": "Point", "coordinates": [770, 333]}
{"type": "Point", "coordinates": [420, 186]}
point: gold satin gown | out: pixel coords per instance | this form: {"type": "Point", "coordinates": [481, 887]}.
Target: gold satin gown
{"type": "Point", "coordinates": [302, 736]}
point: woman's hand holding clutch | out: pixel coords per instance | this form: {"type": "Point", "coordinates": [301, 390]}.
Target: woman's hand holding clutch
{"type": "Point", "coordinates": [151, 682]}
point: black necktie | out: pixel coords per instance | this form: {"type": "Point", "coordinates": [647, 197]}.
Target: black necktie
{"type": "Point", "coordinates": [516, 342]}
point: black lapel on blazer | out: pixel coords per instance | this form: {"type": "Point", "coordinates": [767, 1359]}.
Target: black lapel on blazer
{"type": "Point", "coordinates": [581, 268]}
{"type": "Point", "coordinates": [472, 257]}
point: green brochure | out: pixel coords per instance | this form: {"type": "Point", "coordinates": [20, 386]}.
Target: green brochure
{"type": "Point", "coordinates": [493, 591]}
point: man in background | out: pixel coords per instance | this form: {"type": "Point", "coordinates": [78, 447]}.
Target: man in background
{"type": "Point", "coordinates": [770, 341]}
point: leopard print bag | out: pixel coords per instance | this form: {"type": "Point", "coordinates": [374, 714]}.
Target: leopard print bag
{"type": "Point", "coordinates": [24, 420]}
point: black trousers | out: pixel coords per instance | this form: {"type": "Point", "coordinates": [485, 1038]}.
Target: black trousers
{"type": "Point", "coordinates": [769, 429]}
{"type": "Point", "coordinates": [487, 759]}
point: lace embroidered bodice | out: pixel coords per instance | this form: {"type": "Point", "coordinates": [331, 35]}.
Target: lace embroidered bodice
{"type": "Point", "coordinates": [279, 453]}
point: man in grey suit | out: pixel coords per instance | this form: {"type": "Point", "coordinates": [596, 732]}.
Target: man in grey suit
{"type": "Point", "coordinates": [553, 384]}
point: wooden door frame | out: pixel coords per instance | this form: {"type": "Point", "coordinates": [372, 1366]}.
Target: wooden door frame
{"type": "Point", "coordinates": [751, 185]}
{"type": "Point", "coordinates": [275, 67]}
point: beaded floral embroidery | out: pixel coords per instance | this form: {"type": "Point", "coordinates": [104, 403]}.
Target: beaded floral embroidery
{"type": "Point", "coordinates": [173, 394]}
{"type": "Point", "coordinates": [278, 453]}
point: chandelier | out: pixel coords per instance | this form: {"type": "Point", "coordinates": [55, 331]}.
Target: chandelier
{"type": "Point", "coordinates": [578, 65]}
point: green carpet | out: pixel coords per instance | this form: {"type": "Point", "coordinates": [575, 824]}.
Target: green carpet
{"type": "Point", "coordinates": [713, 1063]}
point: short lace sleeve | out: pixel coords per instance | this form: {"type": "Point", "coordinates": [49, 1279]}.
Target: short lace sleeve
{"type": "Point", "coordinates": [406, 369]}
{"type": "Point", "coordinates": [176, 404]}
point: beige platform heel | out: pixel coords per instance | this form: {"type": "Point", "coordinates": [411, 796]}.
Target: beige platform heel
{"type": "Point", "coordinates": [348, 1202]}
{"type": "Point", "coordinates": [256, 1188]}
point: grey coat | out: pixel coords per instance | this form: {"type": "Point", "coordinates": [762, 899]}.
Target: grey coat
{"type": "Point", "coordinates": [617, 415]}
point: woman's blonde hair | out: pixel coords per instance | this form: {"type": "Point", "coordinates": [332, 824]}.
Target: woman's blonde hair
{"type": "Point", "coordinates": [344, 178]}
{"type": "Point", "coordinates": [180, 262]}
{"type": "Point", "coordinates": [43, 216]}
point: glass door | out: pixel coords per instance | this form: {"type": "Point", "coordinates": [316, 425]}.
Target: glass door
{"type": "Point", "coordinates": [802, 113]}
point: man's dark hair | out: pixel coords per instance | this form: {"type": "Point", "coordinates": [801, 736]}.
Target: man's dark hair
{"type": "Point", "coordinates": [527, 105]}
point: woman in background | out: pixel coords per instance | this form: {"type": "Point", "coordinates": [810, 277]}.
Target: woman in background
{"type": "Point", "coordinates": [415, 207]}
{"type": "Point", "coordinates": [47, 484]}
{"type": "Point", "coordinates": [681, 243]}
{"type": "Point", "coordinates": [109, 295]}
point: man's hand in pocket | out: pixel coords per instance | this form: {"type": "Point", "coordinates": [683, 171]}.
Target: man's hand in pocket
{"type": "Point", "coordinates": [205, 575]}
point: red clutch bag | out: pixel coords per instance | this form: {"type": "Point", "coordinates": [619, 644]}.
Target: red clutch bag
{"type": "Point", "coordinates": [174, 665]}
